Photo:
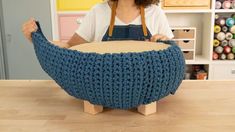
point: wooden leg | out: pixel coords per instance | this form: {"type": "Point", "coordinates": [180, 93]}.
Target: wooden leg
{"type": "Point", "coordinates": [148, 109]}
{"type": "Point", "coordinates": [92, 109]}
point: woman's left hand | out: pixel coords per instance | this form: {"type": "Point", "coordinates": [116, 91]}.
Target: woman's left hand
{"type": "Point", "coordinates": [156, 37]}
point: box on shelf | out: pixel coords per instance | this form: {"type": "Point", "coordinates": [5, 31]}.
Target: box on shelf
{"type": "Point", "coordinates": [185, 38]}
{"type": "Point", "coordinates": [185, 44]}
{"type": "Point", "coordinates": [186, 4]}
{"type": "Point", "coordinates": [188, 55]}
{"type": "Point", "coordinates": [184, 33]}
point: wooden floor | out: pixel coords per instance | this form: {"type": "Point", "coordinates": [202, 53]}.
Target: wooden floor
{"type": "Point", "coordinates": [41, 106]}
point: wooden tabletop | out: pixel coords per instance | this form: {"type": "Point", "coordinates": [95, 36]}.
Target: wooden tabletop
{"type": "Point", "coordinates": [42, 106]}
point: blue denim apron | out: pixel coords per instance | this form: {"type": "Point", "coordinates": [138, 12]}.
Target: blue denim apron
{"type": "Point", "coordinates": [129, 32]}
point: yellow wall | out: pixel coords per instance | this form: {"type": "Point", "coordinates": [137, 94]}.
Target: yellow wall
{"type": "Point", "coordinates": [76, 5]}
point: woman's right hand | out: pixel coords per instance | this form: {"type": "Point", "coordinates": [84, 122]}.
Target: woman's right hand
{"type": "Point", "coordinates": [28, 28]}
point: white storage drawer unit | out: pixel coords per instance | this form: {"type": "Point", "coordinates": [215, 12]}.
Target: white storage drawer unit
{"type": "Point", "coordinates": [223, 71]}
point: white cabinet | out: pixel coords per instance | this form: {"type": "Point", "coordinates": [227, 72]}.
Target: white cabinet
{"type": "Point", "coordinates": [222, 71]}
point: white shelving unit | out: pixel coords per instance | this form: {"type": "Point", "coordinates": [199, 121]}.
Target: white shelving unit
{"type": "Point", "coordinates": [203, 20]}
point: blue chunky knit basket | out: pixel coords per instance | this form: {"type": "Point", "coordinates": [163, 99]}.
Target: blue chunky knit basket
{"type": "Point", "coordinates": [123, 81]}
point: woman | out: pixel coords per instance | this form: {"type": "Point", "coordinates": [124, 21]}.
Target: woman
{"type": "Point", "coordinates": [117, 20]}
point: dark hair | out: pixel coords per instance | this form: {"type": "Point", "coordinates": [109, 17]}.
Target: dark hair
{"type": "Point", "coordinates": [144, 2]}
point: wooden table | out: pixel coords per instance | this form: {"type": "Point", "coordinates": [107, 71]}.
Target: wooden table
{"type": "Point", "coordinates": [42, 106]}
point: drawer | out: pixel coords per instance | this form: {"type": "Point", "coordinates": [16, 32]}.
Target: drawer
{"type": "Point", "coordinates": [186, 4]}
{"type": "Point", "coordinates": [67, 25]}
{"type": "Point", "coordinates": [185, 44]}
{"type": "Point", "coordinates": [188, 55]}
{"type": "Point", "coordinates": [184, 33]}
{"type": "Point", "coordinates": [222, 71]}
{"type": "Point", "coordinates": [76, 5]}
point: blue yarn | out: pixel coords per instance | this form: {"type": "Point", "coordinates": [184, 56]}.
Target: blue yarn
{"type": "Point", "coordinates": [123, 81]}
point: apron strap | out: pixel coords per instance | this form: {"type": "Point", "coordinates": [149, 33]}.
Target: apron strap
{"type": "Point", "coordinates": [112, 22]}
{"type": "Point", "coordinates": [111, 26]}
{"type": "Point", "coordinates": [144, 27]}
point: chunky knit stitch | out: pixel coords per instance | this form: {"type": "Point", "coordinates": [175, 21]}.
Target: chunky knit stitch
{"type": "Point", "coordinates": [123, 81]}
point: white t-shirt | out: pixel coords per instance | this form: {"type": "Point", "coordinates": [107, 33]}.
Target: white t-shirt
{"type": "Point", "coordinates": [95, 24]}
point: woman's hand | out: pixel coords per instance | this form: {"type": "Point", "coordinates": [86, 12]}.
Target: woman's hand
{"type": "Point", "coordinates": [156, 37]}
{"type": "Point", "coordinates": [28, 28]}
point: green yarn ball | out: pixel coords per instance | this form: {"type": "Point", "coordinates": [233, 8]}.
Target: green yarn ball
{"type": "Point", "coordinates": [233, 50]}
